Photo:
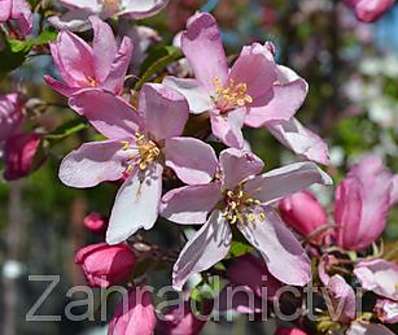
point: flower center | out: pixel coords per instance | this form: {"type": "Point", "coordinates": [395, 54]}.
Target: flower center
{"type": "Point", "coordinates": [231, 95]}
{"type": "Point", "coordinates": [147, 149]}
{"type": "Point", "coordinates": [148, 152]}
{"type": "Point", "coordinates": [237, 203]}
{"type": "Point", "coordinates": [110, 7]}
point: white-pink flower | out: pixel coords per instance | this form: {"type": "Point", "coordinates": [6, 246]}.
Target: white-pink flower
{"type": "Point", "coordinates": [255, 92]}
{"type": "Point", "coordinates": [237, 194]}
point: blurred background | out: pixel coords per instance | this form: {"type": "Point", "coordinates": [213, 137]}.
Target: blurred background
{"type": "Point", "coordinates": [352, 70]}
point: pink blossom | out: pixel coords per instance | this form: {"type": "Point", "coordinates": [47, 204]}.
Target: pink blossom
{"type": "Point", "coordinates": [10, 115]}
{"type": "Point", "coordinates": [387, 311]}
{"type": "Point", "coordinates": [19, 155]}
{"type": "Point", "coordinates": [18, 12]}
{"type": "Point", "coordinates": [105, 265]}
{"type": "Point", "coordinates": [369, 10]}
{"type": "Point", "coordinates": [95, 222]}
{"type": "Point", "coordinates": [135, 316]}
{"type": "Point", "coordinates": [255, 91]}
{"type": "Point", "coordinates": [290, 331]}
{"type": "Point", "coordinates": [303, 212]}
{"type": "Point", "coordinates": [139, 144]}
{"type": "Point", "coordinates": [362, 202]}
{"type": "Point", "coordinates": [80, 10]}
{"type": "Point", "coordinates": [378, 276]}
{"type": "Point", "coordinates": [181, 320]}
{"type": "Point", "coordinates": [103, 65]}
{"type": "Point", "coordinates": [238, 195]}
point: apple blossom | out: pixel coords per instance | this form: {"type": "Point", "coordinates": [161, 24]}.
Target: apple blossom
{"type": "Point", "coordinates": [103, 65]}
{"type": "Point", "coordinates": [369, 10]}
{"type": "Point", "coordinates": [138, 146]}
{"type": "Point", "coordinates": [255, 91]}
{"type": "Point", "coordinates": [238, 196]}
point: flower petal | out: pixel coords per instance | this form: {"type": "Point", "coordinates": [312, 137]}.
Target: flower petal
{"type": "Point", "coordinates": [136, 205]}
{"type": "Point", "coordinates": [115, 80]}
{"type": "Point", "coordinates": [104, 48]}
{"type": "Point", "coordinates": [343, 296]}
{"type": "Point", "coordinates": [209, 246]}
{"type": "Point", "coordinates": [378, 276]}
{"type": "Point", "coordinates": [281, 250]}
{"type": "Point", "coordinates": [300, 140]}
{"type": "Point", "coordinates": [60, 87]}
{"type": "Point", "coordinates": [228, 127]}
{"type": "Point", "coordinates": [74, 59]}
{"type": "Point", "coordinates": [109, 114]}
{"type": "Point", "coordinates": [285, 180]}
{"type": "Point", "coordinates": [202, 46]}
{"type": "Point", "coordinates": [193, 161]}
{"type": "Point", "coordinates": [256, 68]}
{"type": "Point", "coordinates": [190, 204]}
{"type": "Point", "coordinates": [198, 97]}
{"type": "Point", "coordinates": [92, 164]}
{"type": "Point", "coordinates": [142, 8]}
{"type": "Point", "coordinates": [163, 110]}
{"type": "Point", "coordinates": [237, 165]}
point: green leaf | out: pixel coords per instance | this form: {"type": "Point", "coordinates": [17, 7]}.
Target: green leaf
{"type": "Point", "coordinates": [158, 59]}
{"type": "Point", "coordinates": [45, 37]}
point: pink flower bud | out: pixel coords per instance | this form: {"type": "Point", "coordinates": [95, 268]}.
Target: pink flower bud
{"type": "Point", "coordinates": [290, 331]}
{"type": "Point", "coordinates": [362, 202]}
{"type": "Point", "coordinates": [95, 222]}
{"type": "Point", "coordinates": [250, 271]}
{"type": "Point", "coordinates": [369, 10]}
{"type": "Point", "coordinates": [104, 265]}
{"type": "Point", "coordinates": [180, 320]}
{"type": "Point", "coordinates": [19, 155]}
{"type": "Point", "coordinates": [303, 212]}
{"type": "Point", "coordinates": [138, 318]}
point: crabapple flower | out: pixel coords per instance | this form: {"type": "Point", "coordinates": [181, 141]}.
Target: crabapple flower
{"type": "Point", "coordinates": [19, 155]}
{"type": "Point", "coordinates": [369, 10]}
{"type": "Point", "coordinates": [139, 144]}
{"type": "Point", "coordinates": [255, 91]}
{"type": "Point", "coordinates": [136, 316]}
{"type": "Point", "coordinates": [105, 265]}
{"type": "Point", "coordinates": [379, 276]}
{"type": "Point", "coordinates": [238, 196]}
{"type": "Point", "coordinates": [10, 115]}
{"type": "Point", "coordinates": [17, 11]}
{"type": "Point", "coordinates": [95, 222]}
{"type": "Point", "coordinates": [303, 212]}
{"type": "Point", "coordinates": [101, 66]}
{"type": "Point", "coordinates": [362, 202]}
{"type": "Point", "coordinates": [387, 311]}
{"type": "Point", "coordinates": [80, 10]}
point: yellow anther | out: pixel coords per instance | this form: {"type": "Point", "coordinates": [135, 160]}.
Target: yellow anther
{"type": "Point", "coordinates": [125, 145]}
{"type": "Point", "coordinates": [148, 151]}
{"type": "Point", "coordinates": [92, 82]}
{"type": "Point", "coordinates": [231, 95]}
{"type": "Point", "coordinates": [237, 202]}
